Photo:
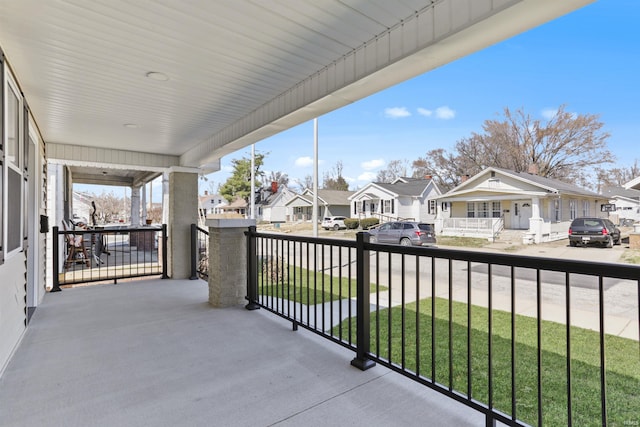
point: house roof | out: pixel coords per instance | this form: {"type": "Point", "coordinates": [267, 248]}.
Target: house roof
{"type": "Point", "coordinates": [628, 193]}
{"type": "Point", "coordinates": [237, 203]}
{"type": "Point", "coordinates": [547, 185]}
{"type": "Point", "coordinates": [414, 187]}
{"type": "Point", "coordinates": [325, 197]}
{"type": "Point", "coordinates": [273, 198]}
{"type": "Point", "coordinates": [553, 184]}
{"type": "Point", "coordinates": [633, 184]}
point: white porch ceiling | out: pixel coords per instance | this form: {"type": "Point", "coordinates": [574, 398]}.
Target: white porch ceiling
{"type": "Point", "coordinates": [238, 71]}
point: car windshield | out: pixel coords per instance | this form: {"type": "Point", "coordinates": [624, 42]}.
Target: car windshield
{"type": "Point", "coordinates": [424, 227]}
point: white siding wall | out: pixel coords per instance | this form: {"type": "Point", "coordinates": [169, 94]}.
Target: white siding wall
{"type": "Point", "coordinates": [12, 306]}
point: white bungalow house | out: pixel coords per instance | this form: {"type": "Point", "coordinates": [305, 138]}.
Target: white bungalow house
{"type": "Point", "coordinates": [330, 203]}
{"type": "Point", "coordinates": [625, 203]}
{"type": "Point", "coordinates": [272, 206]}
{"type": "Point", "coordinates": [211, 204]}
{"type": "Point", "coordinates": [498, 199]}
{"type": "Point", "coordinates": [405, 198]}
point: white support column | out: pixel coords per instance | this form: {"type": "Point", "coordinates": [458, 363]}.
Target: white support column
{"type": "Point", "coordinates": [165, 198]}
{"type": "Point", "coordinates": [183, 211]}
{"type": "Point", "coordinates": [143, 203]}
{"type": "Point", "coordinates": [135, 206]}
{"type": "Point", "coordinates": [535, 222]}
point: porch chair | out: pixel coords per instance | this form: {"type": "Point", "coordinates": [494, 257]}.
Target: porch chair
{"type": "Point", "coordinates": [75, 246]}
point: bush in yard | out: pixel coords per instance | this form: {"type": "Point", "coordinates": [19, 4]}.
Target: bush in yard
{"type": "Point", "coordinates": [274, 269]}
{"type": "Point", "coordinates": [367, 223]}
{"type": "Point", "coordinates": [351, 223]}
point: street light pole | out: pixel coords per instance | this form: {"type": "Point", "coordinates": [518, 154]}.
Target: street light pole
{"type": "Point", "coordinates": [314, 216]}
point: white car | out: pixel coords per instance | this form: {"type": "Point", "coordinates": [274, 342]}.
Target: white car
{"type": "Point", "coordinates": [333, 222]}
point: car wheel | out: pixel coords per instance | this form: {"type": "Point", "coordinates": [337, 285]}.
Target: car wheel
{"type": "Point", "coordinates": [336, 227]}
{"type": "Point", "coordinates": [573, 244]}
{"type": "Point", "coordinates": [618, 241]}
{"type": "Point", "coordinates": [405, 242]}
{"type": "Point", "coordinates": [609, 243]}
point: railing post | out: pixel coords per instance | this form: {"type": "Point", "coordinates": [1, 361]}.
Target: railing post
{"type": "Point", "coordinates": [362, 361]}
{"type": "Point", "coordinates": [194, 252]}
{"type": "Point", "coordinates": [56, 261]}
{"type": "Point", "coordinates": [164, 252]}
{"type": "Point", "coordinates": [252, 270]}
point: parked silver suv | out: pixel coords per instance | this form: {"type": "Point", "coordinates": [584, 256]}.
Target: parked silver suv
{"type": "Point", "coordinates": [404, 233]}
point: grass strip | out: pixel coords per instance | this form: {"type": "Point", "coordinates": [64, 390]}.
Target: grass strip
{"type": "Point", "coordinates": [622, 361]}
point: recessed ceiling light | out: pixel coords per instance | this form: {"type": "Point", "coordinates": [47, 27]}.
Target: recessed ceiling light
{"type": "Point", "coordinates": [155, 75]}
{"type": "Point", "coordinates": [130, 125]}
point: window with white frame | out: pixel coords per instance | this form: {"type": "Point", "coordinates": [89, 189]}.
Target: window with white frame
{"type": "Point", "coordinates": [483, 209]}
{"type": "Point", "coordinates": [573, 209]}
{"type": "Point", "coordinates": [496, 209]}
{"type": "Point", "coordinates": [14, 173]}
{"type": "Point", "coordinates": [387, 206]}
{"type": "Point", "coordinates": [586, 208]}
{"type": "Point", "coordinates": [471, 210]}
{"type": "Point", "coordinates": [431, 207]}
{"type": "Point", "coordinates": [557, 210]}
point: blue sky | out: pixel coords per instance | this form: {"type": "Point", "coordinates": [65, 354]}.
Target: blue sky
{"type": "Point", "coordinates": [588, 60]}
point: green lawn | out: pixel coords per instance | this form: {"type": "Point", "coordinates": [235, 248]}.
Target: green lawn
{"type": "Point", "coordinates": [308, 287]}
{"type": "Point", "coordinates": [622, 375]}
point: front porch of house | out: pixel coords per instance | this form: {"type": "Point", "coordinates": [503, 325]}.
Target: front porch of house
{"type": "Point", "coordinates": [154, 352]}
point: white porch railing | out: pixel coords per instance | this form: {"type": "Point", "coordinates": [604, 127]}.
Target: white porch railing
{"type": "Point", "coordinates": [555, 231]}
{"type": "Point", "coordinates": [473, 227]}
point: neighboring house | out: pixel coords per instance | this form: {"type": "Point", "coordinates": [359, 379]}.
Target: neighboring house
{"type": "Point", "coordinates": [211, 204]}
{"type": "Point", "coordinates": [405, 199]}
{"type": "Point", "coordinates": [633, 184]}
{"type": "Point", "coordinates": [238, 206]}
{"type": "Point", "coordinates": [271, 204]}
{"type": "Point", "coordinates": [330, 203]}
{"type": "Point", "coordinates": [627, 204]}
{"type": "Point", "coordinates": [82, 207]}
{"type": "Point", "coordinates": [497, 199]}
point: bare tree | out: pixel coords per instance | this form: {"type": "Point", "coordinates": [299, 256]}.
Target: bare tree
{"type": "Point", "coordinates": [306, 182]}
{"type": "Point", "coordinates": [394, 170]}
{"type": "Point", "coordinates": [618, 176]}
{"type": "Point", "coordinates": [442, 166]}
{"type": "Point", "coordinates": [567, 147]}
{"type": "Point", "coordinates": [279, 177]}
{"type": "Point", "coordinates": [334, 180]}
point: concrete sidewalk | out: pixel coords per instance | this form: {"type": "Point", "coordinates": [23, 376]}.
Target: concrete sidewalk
{"type": "Point", "coordinates": [154, 353]}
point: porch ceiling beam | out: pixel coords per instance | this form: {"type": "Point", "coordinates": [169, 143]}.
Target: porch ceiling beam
{"type": "Point", "coordinates": [435, 35]}
{"type": "Point", "coordinates": [135, 160]}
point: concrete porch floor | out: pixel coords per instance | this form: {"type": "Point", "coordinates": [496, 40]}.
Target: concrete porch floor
{"type": "Point", "coordinates": [155, 353]}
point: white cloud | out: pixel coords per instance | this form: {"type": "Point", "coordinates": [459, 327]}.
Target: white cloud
{"type": "Point", "coordinates": [372, 164]}
{"type": "Point", "coordinates": [396, 112]}
{"type": "Point", "coordinates": [303, 162]}
{"type": "Point", "coordinates": [367, 176]}
{"type": "Point", "coordinates": [425, 112]}
{"type": "Point", "coordinates": [549, 113]}
{"type": "Point", "coordinates": [445, 113]}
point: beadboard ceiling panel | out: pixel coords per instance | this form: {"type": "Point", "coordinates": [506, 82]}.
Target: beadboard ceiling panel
{"type": "Point", "coordinates": [236, 71]}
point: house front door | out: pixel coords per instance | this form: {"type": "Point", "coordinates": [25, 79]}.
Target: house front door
{"type": "Point", "coordinates": [521, 212]}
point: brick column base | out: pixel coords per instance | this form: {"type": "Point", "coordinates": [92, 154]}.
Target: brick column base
{"type": "Point", "coordinates": [227, 261]}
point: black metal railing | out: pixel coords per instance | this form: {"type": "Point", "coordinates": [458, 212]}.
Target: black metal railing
{"type": "Point", "coordinates": [199, 253]}
{"type": "Point", "coordinates": [523, 340]}
{"type": "Point", "coordinates": [105, 254]}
